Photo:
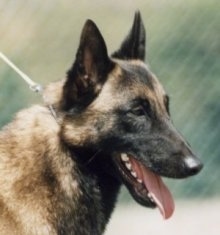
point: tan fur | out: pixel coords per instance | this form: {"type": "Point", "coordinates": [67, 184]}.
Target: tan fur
{"type": "Point", "coordinates": [35, 170]}
{"type": "Point", "coordinates": [29, 177]}
{"type": "Point", "coordinates": [60, 173]}
{"type": "Point", "coordinates": [40, 183]}
{"type": "Point", "coordinates": [34, 166]}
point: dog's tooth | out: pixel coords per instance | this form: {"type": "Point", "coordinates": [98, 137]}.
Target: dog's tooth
{"type": "Point", "coordinates": [150, 196]}
{"type": "Point", "coordinates": [128, 165]}
{"type": "Point", "coordinates": [139, 181]}
{"type": "Point", "coordinates": [124, 157]}
{"type": "Point", "coordinates": [134, 174]}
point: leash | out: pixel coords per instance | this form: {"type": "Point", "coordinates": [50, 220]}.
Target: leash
{"type": "Point", "coordinates": [32, 85]}
{"type": "Point", "coordinates": [35, 87]}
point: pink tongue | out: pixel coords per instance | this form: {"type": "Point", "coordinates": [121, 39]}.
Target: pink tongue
{"type": "Point", "coordinates": [157, 189]}
{"type": "Point", "coordinates": [160, 193]}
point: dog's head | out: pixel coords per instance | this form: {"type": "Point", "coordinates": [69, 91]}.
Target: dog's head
{"type": "Point", "coordinates": [117, 108]}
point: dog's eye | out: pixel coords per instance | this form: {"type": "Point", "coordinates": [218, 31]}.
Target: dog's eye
{"type": "Point", "coordinates": [138, 111]}
{"type": "Point", "coordinates": [139, 108]}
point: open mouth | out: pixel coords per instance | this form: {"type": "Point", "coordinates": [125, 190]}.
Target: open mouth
{"type": "Point", "coordinates": [146, 187]}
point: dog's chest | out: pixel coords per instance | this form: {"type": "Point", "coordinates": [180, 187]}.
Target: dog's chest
{"type": "Point", "coordinates": [83, 208]}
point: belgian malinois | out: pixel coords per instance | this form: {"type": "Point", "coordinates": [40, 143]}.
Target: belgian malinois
{"type": "Point", "coordinates": [62, 175]}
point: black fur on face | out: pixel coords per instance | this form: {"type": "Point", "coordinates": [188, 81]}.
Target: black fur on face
{"type": "Point", "coordinates": [142, 126]}
{"type": "Point", "coordinates": [118, 115]}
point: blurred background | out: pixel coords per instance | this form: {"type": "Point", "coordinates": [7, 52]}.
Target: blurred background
{"type": "Point", "coordinates": [183, 48]}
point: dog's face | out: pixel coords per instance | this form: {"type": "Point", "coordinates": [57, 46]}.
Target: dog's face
{"type": "Point", "coordinates": [117, 107]}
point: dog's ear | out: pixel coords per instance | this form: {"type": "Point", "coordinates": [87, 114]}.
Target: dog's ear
{"type": "Point", "coordinates": [133, 47]}
{"type": "Point", "coordinates": [89, 71]}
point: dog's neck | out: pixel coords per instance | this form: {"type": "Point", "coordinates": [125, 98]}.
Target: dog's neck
{"type": "Point", "coordinates": [96, 164]}
{"type": "Point", "coordinates": [91, 163]}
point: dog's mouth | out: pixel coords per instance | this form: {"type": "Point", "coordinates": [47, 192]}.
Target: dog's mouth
{"type": "Point", "coordinates": [146, 187]}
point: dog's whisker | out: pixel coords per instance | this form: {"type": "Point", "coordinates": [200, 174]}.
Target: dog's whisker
{"type": "Point", "coordinates": [93, 157]}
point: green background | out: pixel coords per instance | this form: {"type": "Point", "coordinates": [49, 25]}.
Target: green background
{"type": "Point", "coordinates": [183, 48]}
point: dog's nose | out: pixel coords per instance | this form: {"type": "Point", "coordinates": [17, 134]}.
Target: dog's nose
{"type": "Point", "coordinates": [192, 165]}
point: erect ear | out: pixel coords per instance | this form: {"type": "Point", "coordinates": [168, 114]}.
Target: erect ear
{"type": "Point", "coordinates": [89, 71]}
{"type": "Point", "coordinates": [133, 47]}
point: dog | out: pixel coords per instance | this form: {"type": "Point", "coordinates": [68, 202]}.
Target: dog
{"type": "Point", "coordinates": [60, 173]}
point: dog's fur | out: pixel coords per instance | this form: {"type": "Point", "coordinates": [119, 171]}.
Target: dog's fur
{"type": "Point", "coordinates": [62, 175]}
